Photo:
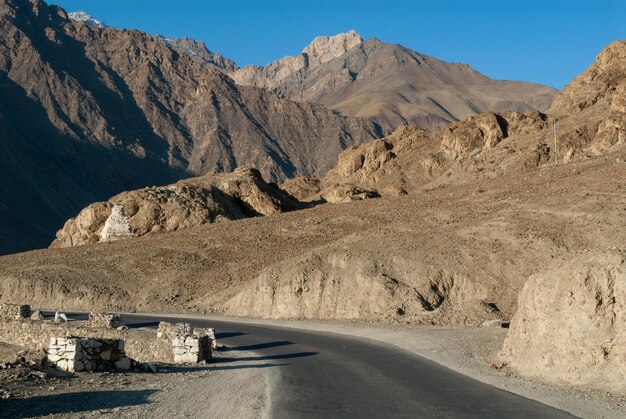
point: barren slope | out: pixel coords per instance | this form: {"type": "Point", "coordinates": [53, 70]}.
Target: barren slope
{"type": "Point", "coordinates": [449, 255]}
{"type": "Point", "coordinates": [390, 83]}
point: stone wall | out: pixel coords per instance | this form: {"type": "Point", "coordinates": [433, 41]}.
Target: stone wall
{"type": "Point", "coordinates": [140, 345]}
{"type": "Point", "coordinates": [191, 349]}
{"type": "Point", "coordinates": [174, 343]}
{"type": "Point", "coordinates": [78, 354]}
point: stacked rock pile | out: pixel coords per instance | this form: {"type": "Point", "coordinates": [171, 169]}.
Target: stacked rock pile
{"type": "Point", "coordinates": [88, 354]}
{"type": "Point", "coordinates": [191, 349]}
{"type": "Point", "coordinates": [188, 345]}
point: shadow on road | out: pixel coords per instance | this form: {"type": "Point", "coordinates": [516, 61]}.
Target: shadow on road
{"type": "Point", "coordinates": [244, 367]}
{"type": "Point", "coordinates": [224, 335]}
{"type": "Point", "coordinates": [265, 357]}
{"type": "Point", "coordinates": [72, 402]}
{"type": "Point", "coordinates": [258, 346]}
{"type": "Point", "coordinates": [138, 325]}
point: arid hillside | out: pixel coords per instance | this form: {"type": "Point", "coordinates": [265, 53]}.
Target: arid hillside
{"type": "Point", "coordinates": [467, 215]}
{"type": "Point", "coordinates": [390, 83]}
{"type": "Point", "coordinates": [87, 112]}
{"type": "Point", "coordinates": [455, 254]}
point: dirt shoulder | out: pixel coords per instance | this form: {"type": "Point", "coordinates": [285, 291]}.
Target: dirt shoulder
{"type": "Point", "coordinates": [232, 389]}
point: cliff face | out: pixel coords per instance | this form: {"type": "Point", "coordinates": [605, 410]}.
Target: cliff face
{"type": "Point", "coordinates": [570, 322]}
{"type": "Point", "coordinates": [390, 83]}
{"type": "Point", "coordinates": [86, 112]}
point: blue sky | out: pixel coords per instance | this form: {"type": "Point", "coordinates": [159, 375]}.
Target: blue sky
{"type": "Point", "coordinates": [548, 41]}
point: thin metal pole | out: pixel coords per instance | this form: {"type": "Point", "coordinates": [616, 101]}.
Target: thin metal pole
{"type": "Point", "coordinates": [555, 128]}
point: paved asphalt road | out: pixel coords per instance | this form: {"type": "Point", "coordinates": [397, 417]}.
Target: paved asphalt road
{"type": "Point", "coordinates": [323, 375]}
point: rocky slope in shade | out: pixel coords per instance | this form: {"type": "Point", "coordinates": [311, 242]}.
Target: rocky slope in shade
{"type": "Point", "coordinates": [87, 112]}
{"type": "Point", "coordinates": [390, 83]}
{"type": "Point", "coordinates": [188, 203]}
{"type": "Point", "coordinates": [570, 324]}
{"type": "Point", "coordinates": [195, 49]}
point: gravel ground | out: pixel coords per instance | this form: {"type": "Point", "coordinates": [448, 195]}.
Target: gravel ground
{"type": "Point", "coordinates": [220, 389]}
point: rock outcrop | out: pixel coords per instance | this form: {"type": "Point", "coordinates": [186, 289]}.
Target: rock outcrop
{"type": "Point", "coordinates": [571, 322]}
{"type": "Point", "coordinates": [593, 106]}
{"type": "Point", "coordinates": [587, 119]}
{"type": "Point", "coordinates": [188, 203]}
{"type": "Point", "coordinates": [480, 146]}
{"type": "Point", "coordinates": [100, 111]}
{"type": "Point", "coordinates": [390, 83]}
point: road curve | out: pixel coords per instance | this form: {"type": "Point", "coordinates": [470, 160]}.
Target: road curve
{"type": "Point", "coordinates": [320, 374]}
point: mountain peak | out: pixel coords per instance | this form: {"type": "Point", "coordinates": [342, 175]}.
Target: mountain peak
{"type": "Point", "coordinates": [81, 16]}
{"type": "Point", "coordinates": [324, 48]}
{"type": "Point", "coordinates": [199, 52]}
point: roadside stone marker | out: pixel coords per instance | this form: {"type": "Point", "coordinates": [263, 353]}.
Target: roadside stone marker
{"type": "Point", "coordinates": [76, 354]}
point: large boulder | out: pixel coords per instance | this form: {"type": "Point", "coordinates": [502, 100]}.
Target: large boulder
{"type": "Point", "coordinates": [570, 326]}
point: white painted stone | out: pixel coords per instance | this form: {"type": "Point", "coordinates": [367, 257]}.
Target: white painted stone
{"type": "Point", "coordinates": [179, 351]}
{"type": "Point", "coordinates": [116, 226]}
{"type": "Point", "coordinates": [54, 358]}
{"type": "Point", "coordinates": [62, 365]}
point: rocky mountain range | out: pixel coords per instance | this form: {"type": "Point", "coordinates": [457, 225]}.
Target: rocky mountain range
{"type": "Point", "coordinates": [509, 216]}
{"type": "Point", "coordinates": [476, 225]}
{"type": "Point", "coordinates": [195, 49]}
{"type": "Point", "coordinates": [87, 112]}
{"type": "Point", "coordinates": [482, 146]}
{"type": "Point", "coordinates": [390, 83]}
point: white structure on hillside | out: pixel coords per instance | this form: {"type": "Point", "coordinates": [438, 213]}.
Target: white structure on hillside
{"type": "Point", "coordinates": [116, 226]}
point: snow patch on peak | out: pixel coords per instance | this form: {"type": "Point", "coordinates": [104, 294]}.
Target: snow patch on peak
{"type": "Point", "coordinates": [81, 16]}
